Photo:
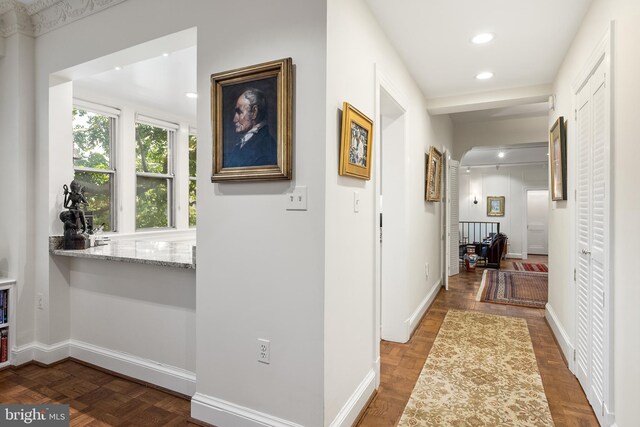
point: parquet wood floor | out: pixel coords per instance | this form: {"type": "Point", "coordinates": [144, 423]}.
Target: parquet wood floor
{"type": "Point", "coordinates": [401, 364]}
{"type": "Point", "coordinates": [95, 398]}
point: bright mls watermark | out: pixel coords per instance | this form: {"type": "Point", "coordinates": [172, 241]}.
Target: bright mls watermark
{"type": "Point", "coordinates": [34, 415]}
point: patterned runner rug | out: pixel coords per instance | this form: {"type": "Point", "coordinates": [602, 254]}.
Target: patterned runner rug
{"type": "Point", "coordinates": [481, 371]}
{"type": "Point", "coordinates": [524, 288]}
{"type": "Point", "coordinates": [526, 266]}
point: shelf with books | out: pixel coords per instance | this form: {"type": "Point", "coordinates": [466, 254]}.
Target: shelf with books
{"type": "Point", "coordinates": [6, 320]}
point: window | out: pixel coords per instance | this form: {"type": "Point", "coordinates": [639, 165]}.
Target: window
{"type": "Point", "coordinates": [193, 143]}
{"type": "Point", "coordinates": [154, 170]}
{"type": "Point", "coordinates": [93, 160]}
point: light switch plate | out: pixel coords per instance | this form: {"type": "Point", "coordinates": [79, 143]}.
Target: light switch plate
{"type": "Point", "coordinates": [356, 202]}
{"type": "Point", "coordinates": [297, 201]}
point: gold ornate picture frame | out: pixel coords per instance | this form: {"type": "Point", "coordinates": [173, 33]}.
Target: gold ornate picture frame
{"type": "Point", "coordinates": [356, 143]}
{"type": "Point", "coordinates": [558, 159]}
{"type": "Point", "coordinates": [251, 116]}
{"type": "Point", "coordinates": [433, 171]}
{"type": "Point", "coordinates": [495, 205]}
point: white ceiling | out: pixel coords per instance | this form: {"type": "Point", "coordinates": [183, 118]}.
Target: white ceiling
{"type": "Point", "coordinates": [158, 83]}
{"type": "Point", "coordinates": [433, 38]}
{"type": "Point", "coordinates": [517, 111]}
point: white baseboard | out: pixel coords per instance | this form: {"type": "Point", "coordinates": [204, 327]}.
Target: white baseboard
{"type": "Point", "coordinates": [39, 352]}
{"type": "Point", "coordinates": [413, 321]}
{"type": "Point", "coordinates": [376, 371]}
{"type": "Point", "coordinates": [222, 413]}
{"type": "Point", "coordinates": [514, 255]}
{"type": "Point", "coordinates": [350, 411]}
{"type": "Point", "coordinates": [561, 335]}
{"type": "Point", "coordinates": [170, 377]}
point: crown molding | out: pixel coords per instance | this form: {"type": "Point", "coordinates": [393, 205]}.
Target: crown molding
{"type": "Point", "coordinates": [14, 18]}
{"type": "Point", "coordinates": [43, 16]}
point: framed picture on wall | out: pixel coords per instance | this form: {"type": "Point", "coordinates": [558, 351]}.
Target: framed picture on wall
{"type": "Point", "coordinates": [558, 159]}
{"type": "Point", "coordinates": [251, 115]}
{"type": "Point", "coordinates": [495, 205]}
{"type": "Point", "coordinates": [433, 171]}
{"type": "Point", "coordinates": [356, 143]}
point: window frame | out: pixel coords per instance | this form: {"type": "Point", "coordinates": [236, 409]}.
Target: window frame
{"type": "Point", "coordinates": [114, 115]}
{"type": "Point", "coordinates": [170, 176]}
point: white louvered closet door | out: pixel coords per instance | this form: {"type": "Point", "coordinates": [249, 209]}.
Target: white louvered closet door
{"type": "Point", "coordinates": [592, 278]}
{"type": "Point", "coordinates": [454, 203]}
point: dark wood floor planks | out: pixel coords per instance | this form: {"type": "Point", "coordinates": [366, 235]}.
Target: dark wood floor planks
{"type": "Point", "coordinates": [401, 364]}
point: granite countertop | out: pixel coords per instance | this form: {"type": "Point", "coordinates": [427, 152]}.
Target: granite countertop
{"type": "Point", "coordinates": [168, 254]}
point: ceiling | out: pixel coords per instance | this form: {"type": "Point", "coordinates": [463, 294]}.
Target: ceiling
{"type": "Point", "coordinates": [520, 154]}
{"type": "Point", "coordinates": [514, 112]}
{"type": "Point", "coordinates": [433, 38]}
{"type": "Point", "coordinates": [158, 83]}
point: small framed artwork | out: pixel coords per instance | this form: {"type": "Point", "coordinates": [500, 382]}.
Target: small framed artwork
{"type": "Point", "coordinates": [558, 159]}
{"type": "Point", "coordinates": [251, 114]}
{"type": "Point", "coordinates": [433, 170]}
{"type": "Point", "coordinates": [356, 143]}
{"type": "Point", "coordinates": [495, 205]}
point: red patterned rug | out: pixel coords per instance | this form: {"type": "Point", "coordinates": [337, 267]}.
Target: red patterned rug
{"type": "Point", "coordinates": [525, 266]}
{"type": "Point", "coordinates": [523, 288]}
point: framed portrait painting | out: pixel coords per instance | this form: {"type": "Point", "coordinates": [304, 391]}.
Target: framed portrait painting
{"type": "Point", "coordinates": [558, 159]}
{"type": "Point", "coordinates": [495, 205]}
{"type": "Point", "coordinates": [356, 143]}
{"type": "Point", "coordinates": [251, 114]}
{"type": "Point", "coordinates": [433, 170]}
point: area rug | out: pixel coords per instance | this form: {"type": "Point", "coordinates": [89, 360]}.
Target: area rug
{"type": "Point", "coordinates": [526, 266]}
{"type": "Point", "coordinates": [481, 371]}
{"type": "Point", "coordinates": [523, 288]}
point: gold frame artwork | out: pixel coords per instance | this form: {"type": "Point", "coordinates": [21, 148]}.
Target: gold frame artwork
{"type": "Point", "coordinates": [433, 170]}
{"type": "Point", "coordinates": [356, 143]}
{"type": "Point", "coordinates": [491, 207]}
{"type": "Point", "coordinates": [267, 155]}
{"type": "Point", "coordinates": [558, 160]}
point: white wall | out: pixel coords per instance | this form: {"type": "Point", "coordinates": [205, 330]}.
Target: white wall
{"type": "Point", "coordinates": [260, 268]}
{"type": "Point", "coordinates": [17, 135]}
{"type": "Point", "coordinates": [140, 310]}
{"type": "Point", "coordinates": [357, 50]}
{"type": "Point", "coordinates": [497, 133]}
{"type": "Point", "coordinates": [508, 181]}
{"type": "Point", "coordinates": [625, 153]}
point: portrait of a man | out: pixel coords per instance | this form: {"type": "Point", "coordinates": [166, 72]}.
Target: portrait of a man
{"type": "Point", "coordinates": [250, 142]}
{"type": "Point", "coordinates": [251, 122]}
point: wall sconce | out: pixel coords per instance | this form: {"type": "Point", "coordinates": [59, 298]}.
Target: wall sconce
{"type": "Point", "coordinates": [475, 200]}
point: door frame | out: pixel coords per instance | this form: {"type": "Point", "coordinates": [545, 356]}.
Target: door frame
{"type": "Point", "coordinates": [525, 237]}
{"type": "Point", "coordinates": [382, 82]}
{"type": "Point", "coordinates": [600, 55]}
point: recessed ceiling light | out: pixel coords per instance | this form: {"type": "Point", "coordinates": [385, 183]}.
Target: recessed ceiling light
{"type": "Point", "coordinates": [118, 68]}
{"type": "Point", "coordinates": [482, 38]}
{"type": "Point", "coordinates": [485, 75]}
{"type": "Point", "coordinates": [501, 154]}
{"type": "Point", "coordinates": [191, 95]}
{"type": "Point", "coordinates": [165, 54]}
{"type": "Point", "coordinates": [468, 170]}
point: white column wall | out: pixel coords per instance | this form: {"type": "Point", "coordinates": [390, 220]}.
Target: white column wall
{"type": "Point", "coordinates": [16, 176]}
{"type": "Point", "coordinates": [357, 47]}
{"type": "Point", "coordinates": [625, 157]}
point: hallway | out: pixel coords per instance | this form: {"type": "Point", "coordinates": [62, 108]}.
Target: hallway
{"type": "Point", "coordinates": [401, 363]}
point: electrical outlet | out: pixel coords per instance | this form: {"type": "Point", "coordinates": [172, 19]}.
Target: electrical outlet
{"type": "Point", "coordinates": [264, 351]}
{"type": "Point", "coordinates": [40, 302]}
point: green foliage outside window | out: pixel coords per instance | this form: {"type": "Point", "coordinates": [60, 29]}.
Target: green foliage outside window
{"type": "Point", "coordinates": [152, 194]}
{"type": "Point", "coordinates": [92, 149]}
{"type": "Point", "coordinates": [193, 142]}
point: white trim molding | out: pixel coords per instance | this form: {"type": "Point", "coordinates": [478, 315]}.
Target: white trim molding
{"type": "Point", "coordinates": [222, 413]}
{"type": "Point", "coordinates": [413, 321]}
{"type": "Point", "coordinates": [561, 335]}
{"type": "Point", "coordinates": [351, 409]}
{"type": "Point", "coordinates": [166, 376]}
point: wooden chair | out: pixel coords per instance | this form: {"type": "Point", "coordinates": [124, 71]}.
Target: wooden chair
{"type": "Point", "coordinates": [495, 251]}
